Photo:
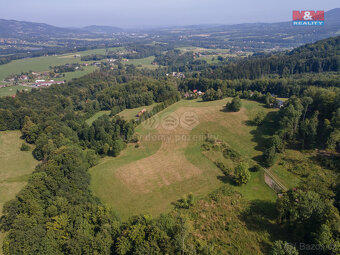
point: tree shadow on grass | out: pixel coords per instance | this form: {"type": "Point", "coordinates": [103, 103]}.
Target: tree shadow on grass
{"type": "Point", "coordinates": [226, 179]}
{"type": "Point", "coordinates": [262, 133]}
{"type": "Point", "coordinates": [249, 123]}
{"type": "Point", "coordinates": [260, 216]}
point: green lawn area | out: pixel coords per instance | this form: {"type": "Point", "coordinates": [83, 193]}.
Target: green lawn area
{"type": "Point", "coordinates": [169, 163]}
{"type": "Point", "coordinates": [9, 91]}
{"type": "Point", "coordinates": [142, 62]}
{"type": "Point", "coordinates": [72, 75]}
{"type": "Point", "coordinates": [127, 114]}
{"type": "Point", "coordinates": [38, 64]}
{"type": "Point", "coordinates": [15, 168]}
{"type": "Point", "coordinates": [130, 114]}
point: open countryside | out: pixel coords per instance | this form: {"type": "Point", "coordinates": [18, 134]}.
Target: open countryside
{"type": "Point", "coordinates": [128, 129]}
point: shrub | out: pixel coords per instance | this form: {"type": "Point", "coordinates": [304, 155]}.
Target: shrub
{"type": "Point", "coordinates": [235, 105]}
{"type": "Point", "coordinates": [230, 153]}
{"type": "Point", "coordinates": [242, 174]}
{"type": "Point", "coordinates": [259, 118]}
{"type": "Point", "coordinates": [225, 170]}
{"type": "Point", "coordinates": [269, 156]}
{"type": "Point", "coordinates": [185, 202]}
{"type": "Point", "coordinates": [24, 147]}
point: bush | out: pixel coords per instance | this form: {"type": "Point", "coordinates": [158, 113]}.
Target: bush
{"type": "Point", "coordinates": [230, 153]}
{"type": "Point", "coordinates": [242, 174]}
{"type": "Point", "coordinates": [259, 118]}
{"type": "Point", "coordinates": [225, 170]}
{"type": "Point", "coordinates": [185, 202]}
{"type": "Point", "coordinates": [269, 156]}
{"type": "Point", "coordinates": [235, 105]}
{"type": "Point", "coordinates": [24, 147]}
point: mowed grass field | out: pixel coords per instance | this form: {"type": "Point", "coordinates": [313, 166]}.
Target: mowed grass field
{"type": "Point", "coordinates": [169, 162]}
{"type": "Point", "coordinates": [143, 62]}
{"type": "Point", "coordinates": [15, 168]}
{"type": "Point", "coordinates": [9, 91]}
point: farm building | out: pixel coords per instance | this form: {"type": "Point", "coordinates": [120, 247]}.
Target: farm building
{"type": "Point", "coordinates": [43, 83]}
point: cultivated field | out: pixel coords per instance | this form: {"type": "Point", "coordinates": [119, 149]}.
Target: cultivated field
{"type": "Point", "coordinates": [169, 162]}
{"type": "Point", "coordinates": [15, 167]}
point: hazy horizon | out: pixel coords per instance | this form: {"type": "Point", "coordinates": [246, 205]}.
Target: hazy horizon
{"type": "Point", "coordinates": [133, 13]}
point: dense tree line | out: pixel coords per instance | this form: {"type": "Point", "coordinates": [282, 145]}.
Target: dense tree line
{"type": "Point", "coordinates": [65, 68]}
{"type": "Point", "coordinates": [322, 56]}
{"type": "Point", "coordinates": [282, 87]}
{"type": "Point", "coordinates": [135, 51]}
{"type": "Point", "coordinates": [310, 121]}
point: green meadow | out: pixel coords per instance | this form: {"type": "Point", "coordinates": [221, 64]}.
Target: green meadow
{"type": "Point", "coordinates": [168, 164]}
{"type": "Point", "coordinates": [15, 168]}
{"type": "Point", "coordinates": [9, 91]}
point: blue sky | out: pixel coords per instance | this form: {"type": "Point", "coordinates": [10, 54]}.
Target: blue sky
{"type": "Point", "coordinates": [154, 13]}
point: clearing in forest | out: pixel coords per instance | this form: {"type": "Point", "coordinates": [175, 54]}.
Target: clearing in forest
{"type": "Point", "coordinates": [169, 163]}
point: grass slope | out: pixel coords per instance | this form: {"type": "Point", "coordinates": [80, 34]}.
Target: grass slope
{"type": "Point", "coordinates": [15, 168]}
{"type": "Point", "coordinates": [9, 91]}
{"type": "Point", "coordinates": [96, 116]}
{"type": "Point", "coordinates": [170, 163]}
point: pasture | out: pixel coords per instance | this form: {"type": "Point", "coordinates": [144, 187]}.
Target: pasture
{"type": "Point", "coordinates": [169, 162]}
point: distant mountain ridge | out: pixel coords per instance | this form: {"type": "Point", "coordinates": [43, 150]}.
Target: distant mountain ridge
{"type": "Point", "coordinates": [23, 29]}
{"type": "Point", "coordinates": [103, 29]}
{"type": "Point", "coordinates": [283, 34]}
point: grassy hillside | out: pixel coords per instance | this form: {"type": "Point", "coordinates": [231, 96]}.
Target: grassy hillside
{"type": "Point", "coordinates": [127, 114]}
{"type": "Point", "coordinates": [229, 224]}
{"type": "Point", "coordinates": [135, 183]}
{"type": "Point", "coordinates": [130, 114]}
{"type": "Point", "coordinates": [9, 91]}
{"type": "Point", "coordinates": [96, 116]}
{"type": "Point", "coordinates": [16, 167]}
